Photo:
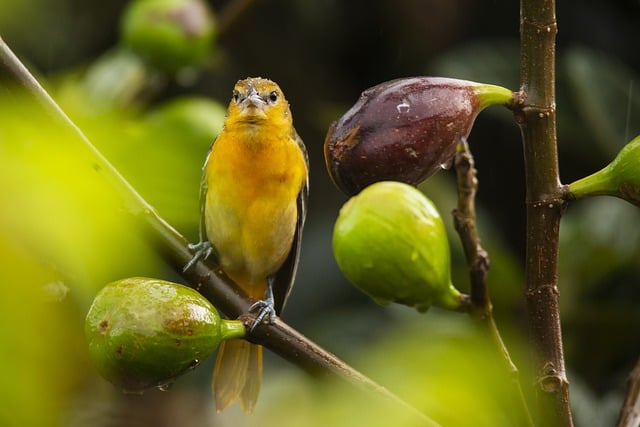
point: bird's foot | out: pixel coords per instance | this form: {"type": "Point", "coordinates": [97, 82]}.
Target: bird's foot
{"type": "Point", "coordinates": [201, 251]}
{"type": "Point", "coordinates": [265, 308]}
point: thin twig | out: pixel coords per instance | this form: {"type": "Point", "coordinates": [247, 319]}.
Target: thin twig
{"type": "Point", "coordinates": [478, 261]}
{"type": "Point", "coordinates": [630, 412]}
{"type": "Point", "coordinates": [207, 279]}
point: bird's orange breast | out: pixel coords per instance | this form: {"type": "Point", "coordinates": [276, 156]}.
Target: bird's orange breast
{"type": "Point", "coordinates": [253, 178]}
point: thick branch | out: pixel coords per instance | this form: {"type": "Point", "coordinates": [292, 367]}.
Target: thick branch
{"type": "Point", "coordinates": [208, 280]}
{"type": "Point", "coordinates": [536, 116]}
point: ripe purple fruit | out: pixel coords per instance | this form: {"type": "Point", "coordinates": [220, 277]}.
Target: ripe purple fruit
{"type": "Point", "coordinates": [405, 130]}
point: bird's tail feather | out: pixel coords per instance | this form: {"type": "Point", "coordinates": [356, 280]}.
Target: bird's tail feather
{"type": "Point", "coordinates": [237, 375]}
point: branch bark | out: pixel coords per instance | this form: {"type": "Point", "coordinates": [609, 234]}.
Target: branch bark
{"type": "Point", "coordinates": [481, 309]}
{"type": "Point", "coordinates": [630, 413]}
{"type": "Point", "coordinates": [536, 115]}
{"type": "Point", "coordinates": [209, 280]}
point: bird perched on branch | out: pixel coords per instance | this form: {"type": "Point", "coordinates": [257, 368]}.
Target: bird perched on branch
{"type": "Point", "coordinates": [253, 204]}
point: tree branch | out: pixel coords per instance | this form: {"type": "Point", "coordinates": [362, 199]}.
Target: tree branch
{"type": "Point", "coordinates": [536, 114]}
{"type": "Point", "coordinates": [464, 218]}
{"type": "Point", "coordinates": [209, 280]}
{"type": "Point", "coordinates": [630, 413]}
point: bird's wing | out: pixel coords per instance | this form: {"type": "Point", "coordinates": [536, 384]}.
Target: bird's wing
{"type": "Point", "coordinates": [283, 278]}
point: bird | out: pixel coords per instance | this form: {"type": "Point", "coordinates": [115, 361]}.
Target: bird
{"type": "Point", "coordinates": [253, 204]}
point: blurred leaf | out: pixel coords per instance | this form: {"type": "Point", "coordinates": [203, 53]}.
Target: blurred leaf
{"type": "Point", "coordinates": [607, 96]}
{"type": "Point", "coordinates": [590, 410]}
{"type": "Point", "coordinates": [57, 203]}
{"type": "Point", "coordinates": [599, 253]}
{"type": "Point", "coordinates": [485, 61]}
{"type": "Point", "coordinates": [41, 352]}
{"type": "Point", "coordinates": [597, 237]}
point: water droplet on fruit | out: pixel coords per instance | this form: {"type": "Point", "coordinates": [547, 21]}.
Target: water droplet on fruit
{"type": "Point", "coordinates": [403, 107]}
{"type": "Point", "coordinates": [166, 386]}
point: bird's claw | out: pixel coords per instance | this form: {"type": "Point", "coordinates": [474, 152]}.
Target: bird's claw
{"type": "Point", "coordinates": [265, 308]}
{"type": "Point", "coordinates": [201, 251]}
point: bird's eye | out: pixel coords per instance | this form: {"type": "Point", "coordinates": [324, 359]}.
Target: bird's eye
{"type": "Point", "coordinates": [235, 96]}
{"type": "Point", "coordinates": [273, 97]}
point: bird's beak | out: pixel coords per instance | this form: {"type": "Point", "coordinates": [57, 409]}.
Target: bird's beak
{"type": "Point", "coordinates": [253, 99]}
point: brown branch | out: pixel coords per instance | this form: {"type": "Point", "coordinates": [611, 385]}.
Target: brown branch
{"type": "Point", "coordinates": [208, 280]}
{"type": "Point", "coordinates": [481, 309]}
{"type": "Point", "coordinates": [630, 413]}
{"type": "Point", "coordinates": [536, 115]}
{"type": "Point", "coordinates": [465, 223]}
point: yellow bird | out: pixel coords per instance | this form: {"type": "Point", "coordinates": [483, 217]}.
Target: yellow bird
{"type": "Point", "coordinates": [253, 206]}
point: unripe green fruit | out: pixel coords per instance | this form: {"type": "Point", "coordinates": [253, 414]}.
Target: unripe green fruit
{"type": "Point", "coordinates": [620, 178]}
{"type": "Point", "coordinates": [144, 333]}
{"type": "Point", "coordinates": [405, 130]}
{"type": "Point", "coordinates": [170, 34]}
{"type": "Point", "coordinates": [390, 242]}
{"type": "Point", "coordinates": [193, 119]}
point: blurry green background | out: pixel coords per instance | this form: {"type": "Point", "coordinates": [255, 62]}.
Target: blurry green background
{"type": "Point", "coordinates": [63, 234]}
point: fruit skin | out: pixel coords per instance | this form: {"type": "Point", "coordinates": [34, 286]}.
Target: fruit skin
{"type": "Point", "coordinates": [170, 34]}
{"type": "Point", "coordinates": [405, 130]}
{"type": "Point", "coordinates": [390, 242]}
{"type": "Point", "coordinates": [620, 178]}
{"type": "Point", "coordinates": [143, 332]}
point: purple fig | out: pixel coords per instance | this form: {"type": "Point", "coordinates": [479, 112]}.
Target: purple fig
{"type": "Point", "coordinates": [405, 130]}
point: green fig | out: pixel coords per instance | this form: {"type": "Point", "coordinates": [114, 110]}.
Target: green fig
{"type": "Point", "coordinates": [193, 119]}
{"type": "Point", "coordinates": [144, 333]}
{"type": "Point", "coordinates": [170, 34]}
{"type": "Point", "coordinates": [620, 178]}
{"type": "Point", "coordinates": [405, 130]}
{"type": "Point", "coordinates": [390, 242]}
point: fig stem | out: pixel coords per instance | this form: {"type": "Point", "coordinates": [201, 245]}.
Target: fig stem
{"type": "Point", "coordinates": [210, 281]}
{"type": "Point", "coordinates": [231, 329]}
{"type": "Point", "coordinates": [597, 184]}
{"type": "Point", "coordinates": [480, 307]}
{"type": "Point", "coordinates": [494, 95]}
